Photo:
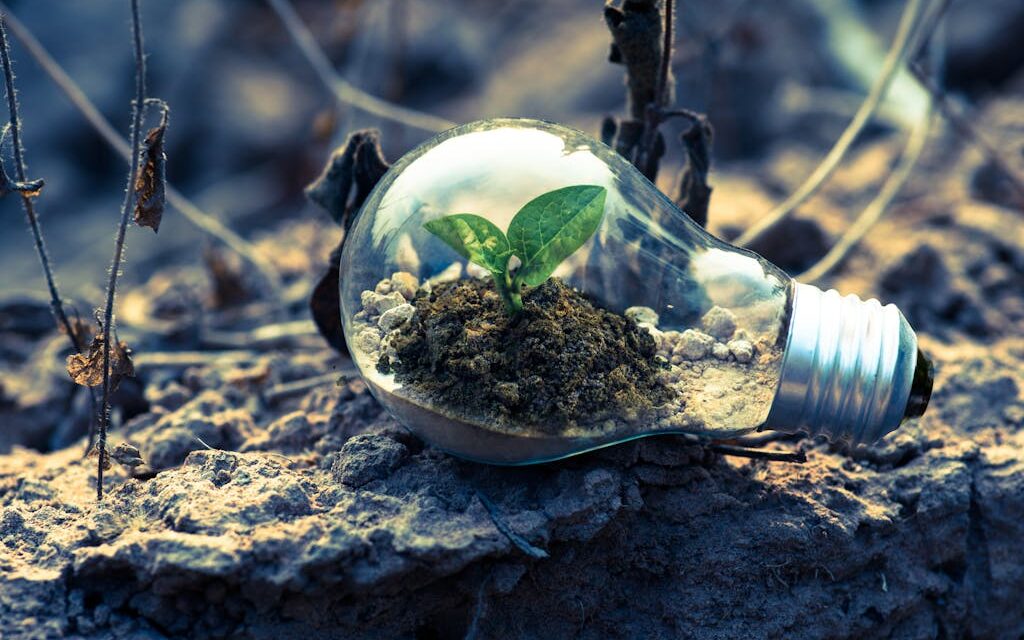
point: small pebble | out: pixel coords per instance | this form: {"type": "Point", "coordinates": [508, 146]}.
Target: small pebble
{"type": "Point", "coordinates": [368, 300]}
{"type": "Point", "coordinates": [368, 340]}
{"type": "Point", "coordinates": [383, 287]}
{"type": "Point", "coordinates": [641, 315]}
{"type": "Point", "coordinates": [693, 345]}
{"type": "Point", "coordinates": [383, 304]}
{"type": "Point", "coordinates": [742, 350]}
{"type": "Point", "coordinates": [720, 323]}
{"type": "Point", "coordinates": [396, 317]}
{"type": "Point", "coordinates": [720, 351]}
{"type": "Point", "coordinates": [405, 283]}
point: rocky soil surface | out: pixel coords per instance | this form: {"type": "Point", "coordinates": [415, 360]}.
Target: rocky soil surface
{"type": "Point", "coordinates": [312, 514]}
{"type": "Point", "coordinates": [272, 507]}
{"type": "Point", "coordinates": [330, 521]}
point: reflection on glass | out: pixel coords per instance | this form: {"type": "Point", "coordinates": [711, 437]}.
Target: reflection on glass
{"type": "Point", "coordinates": [711, 317]}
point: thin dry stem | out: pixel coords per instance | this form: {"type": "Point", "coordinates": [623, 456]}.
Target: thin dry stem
{"type": "Point", "coordinates": [115, 267]}
{"type": "Point", "coordinates": [202, 220]}
{"type": "Point", "coordinates": [759, 454]}
{"type": "Point", "coordinates": [343, 91]}
{"type": "Point", "coordinates": [877, 207]}
{"type": "Point", "coordinates": [966, 129]}
{"type": "Point", "coordinates": [901, 46]}
{"type": "Point", "coordinates": [56, 304]}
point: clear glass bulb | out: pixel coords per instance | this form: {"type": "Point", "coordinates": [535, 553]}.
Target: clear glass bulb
{"type": "Point", "coordinates": [719, 342]}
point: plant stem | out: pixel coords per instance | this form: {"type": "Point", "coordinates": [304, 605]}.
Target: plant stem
{"type": "Point", "coordinates": [902, 45]}
{"type": "Point", "coordinates": [509, 292]}
{"type": "Point", "coordinates": [56, 304]}
{"type": "Point", "coordinates": [876, 208]}
{"type": "Point", "coordinates": [115, 267]}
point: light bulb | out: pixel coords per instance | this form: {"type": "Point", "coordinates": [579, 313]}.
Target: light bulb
{"type": "Point", "coordinates": [653, 326]}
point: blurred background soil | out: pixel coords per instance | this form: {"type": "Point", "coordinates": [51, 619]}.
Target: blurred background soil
{"type": "Point", "coordinates": [277, 502]}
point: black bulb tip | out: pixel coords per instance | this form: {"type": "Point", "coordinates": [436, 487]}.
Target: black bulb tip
{"type": "Point", "coordinates": [921, 388]}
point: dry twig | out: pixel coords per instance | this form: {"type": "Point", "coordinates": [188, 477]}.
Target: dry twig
{"type": "Point", "coordinates": [343, 91]}
{"type": "Point", "coordinates": [56, 304]}
{"type": "Point", "coordinates": [876, 208]}
{"type": "Point", "coordinates": [798, 457]}
{"type": "Point", "coordinates": [901, 47]}
{"type": "Point", "coordinates": [202, 220]}
{"type": "Point", "coordinates": [138, 105]}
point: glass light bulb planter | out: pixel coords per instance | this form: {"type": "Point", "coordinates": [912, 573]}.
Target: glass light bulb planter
{"type": "Point", "coordinates": [737, 345]}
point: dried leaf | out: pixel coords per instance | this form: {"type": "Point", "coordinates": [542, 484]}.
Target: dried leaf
{"type": "Point", "coordinates": [151, 182]}
{"type": "Point", "coordinates": [86, 369]}
{"type": "Point", "coordinates": [358, 163]}
{"type": "Point", "coordinates": [325, 304]}
{"type": "Point", "coordinates": [127, 455]}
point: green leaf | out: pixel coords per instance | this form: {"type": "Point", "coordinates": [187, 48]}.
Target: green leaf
{"type": "Point", "coordinates": [551, 227]}
{"type": "Point", "coordinates": [474, 238]}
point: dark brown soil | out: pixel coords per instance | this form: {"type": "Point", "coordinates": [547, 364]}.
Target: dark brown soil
{"type": "Point", "coordinates": [560, 362]}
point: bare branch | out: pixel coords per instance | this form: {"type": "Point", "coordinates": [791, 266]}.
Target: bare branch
{"type": "Point", "coordinates": [876, 208]}
{"type": "Point", "coordinates": [56, 304]}
{"type": "Point", "coordinates": [343, 91]}
{"type": "Point", "coordinates": [901, 47]}
{"type": "Point", "coordinates": [759, 454]}
{"type": "Point", "coordinates": [115, 268]}
{"type": "Point", "coordinates": [204, 221]}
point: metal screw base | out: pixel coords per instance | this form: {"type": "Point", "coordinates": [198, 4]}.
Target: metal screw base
{"type": "Point", "coordinates": [847, 370]}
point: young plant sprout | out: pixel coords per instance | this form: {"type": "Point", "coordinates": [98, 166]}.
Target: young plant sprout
{"type": "Point", "coordinates": [650, 326]}
{"type": "Point", "coordinates": [546, 231]}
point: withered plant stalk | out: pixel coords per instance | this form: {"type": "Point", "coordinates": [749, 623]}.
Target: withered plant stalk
{"type": "Point", "coordinates": [56, 304]}
{"type": "Point", "coordinates": [126, 207]}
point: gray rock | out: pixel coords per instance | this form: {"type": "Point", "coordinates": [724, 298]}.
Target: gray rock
{"type": "Point", "coordinates": [476, 271]}
{"type": "Point", "coordinates": [720, 323]}
{"type": "Point", "coordinates": [742, 350]}
{"type": "Point", "coordinates": [368, 340]}
{"type": "Point", "coordinates": [693, 345]}
{"type": "Point", "coordinates": [720, 351]}
{"type": "Point", "coordinates": [396, 317]}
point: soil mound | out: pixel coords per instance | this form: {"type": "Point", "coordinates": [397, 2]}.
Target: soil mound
{"type": "Point", "coordinates": [559, 363]}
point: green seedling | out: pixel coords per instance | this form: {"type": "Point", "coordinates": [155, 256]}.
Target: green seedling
{"type": "Point", "coordinates": [546, 231]}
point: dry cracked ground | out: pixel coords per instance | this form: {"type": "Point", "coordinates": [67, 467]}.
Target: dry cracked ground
{"type": "Point", "coordinates": [316, 516]}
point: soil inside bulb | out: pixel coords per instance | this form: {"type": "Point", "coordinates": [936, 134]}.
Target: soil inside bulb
{"type": "Point", "coordinates": [565, 369]}
{"type": "Point", "coordinates": [562, 363]}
